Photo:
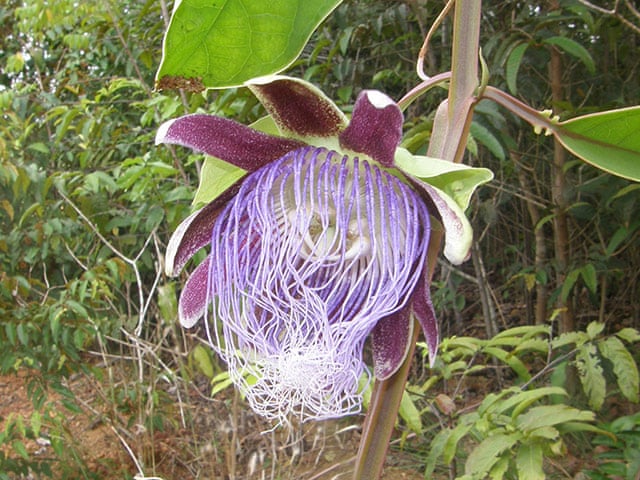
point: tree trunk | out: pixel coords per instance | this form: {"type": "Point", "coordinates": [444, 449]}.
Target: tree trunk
{"type": "Point", "coordinates": [540, 248]}
{"type": "Point", "coordinates": [560, 227]}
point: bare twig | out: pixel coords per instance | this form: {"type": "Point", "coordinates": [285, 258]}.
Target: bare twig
{"type": "Point", "coordinates": [615, 12]}
{"type": "Point", "coordinates": [132, 262]}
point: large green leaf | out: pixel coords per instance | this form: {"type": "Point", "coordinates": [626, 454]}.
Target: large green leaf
{"type": "Point", "coordinates": [624, 366]}
{"type": "Point", "coordinates": [529, 460]}
{"type": "Point", "coordinates": [607, 140]}
{"type": "Point", "coordinates": [573, 48]}
{"type": "Point", "coordinates": [591, 375]}
{"type": "Point", "coordinates": [223, 43]}
{"type": "Point", "coordinates": [550, 415]}
{"type": "Point", "coordinates": [513, 65]}
{"type": "Point", "coordinates": [485, 455]}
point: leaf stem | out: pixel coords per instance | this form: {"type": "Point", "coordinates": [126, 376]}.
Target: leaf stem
{"type": "Point", "coordinates": [422, 88]}
{"type": "Point", "coordinates": [538, 120]}
{"type": "Point", "coordinates": [453, 118]}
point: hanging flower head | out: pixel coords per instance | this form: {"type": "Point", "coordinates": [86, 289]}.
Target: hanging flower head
{"type": "Point", "coordinates": [321, 244]}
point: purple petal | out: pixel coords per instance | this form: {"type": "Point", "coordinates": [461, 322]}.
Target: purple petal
{"type": "Point", "coordinates": [423, 310]}
{"type": "Point", "coordinates": [390, 342]}
{"type": "Point", "coordinates": [225, 139]}
{"type": "Point", "coordinates": [298, 108]}
{"type": "Point", "coordinates": [375, 128]}
{"type": "Point", "coordinates": [194, 299]}
{"type": "Point", "coordinates": [195, 232]}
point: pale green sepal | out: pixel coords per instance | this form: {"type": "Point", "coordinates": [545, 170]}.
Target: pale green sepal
{"type": "Point", "coordinates": [458, 233]}
{"type": "Point", "coordinates": [457, 180]}
{"type": "Point", "coordinates": [216, 176]}
{"type": "Point", "coordinates": [266, 125]}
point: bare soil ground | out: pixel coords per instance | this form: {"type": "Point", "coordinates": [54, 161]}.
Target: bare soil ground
{"type": "Point", "coordinates": [203, 439]}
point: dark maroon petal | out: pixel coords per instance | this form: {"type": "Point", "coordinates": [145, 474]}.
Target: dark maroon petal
{"type": "Point", "coordinates": [375, 128]}
{"type": "Point", "coordinates": [195, 232]}
{"type": "Point", "coordinates": [194, 299]}
{"type": "Point", "coordinates": [390, 342]}
{"type": "Point", "coordinates": [225, 139]}
{"type": "Point", "coordinates": [298, 108]}
{"type": "Point", "coordinates": [423, 310]}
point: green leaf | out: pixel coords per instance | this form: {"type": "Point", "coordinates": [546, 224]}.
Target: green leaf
{"type": "Point", "coordinates": [23, 334]}
{"type": "Point", "coordinates": [225, 43]}
{"type": "Point", "coordinates": [220, 382]}
{"type": "Point", "coordinates": [36, 423]}
{"type": "Point", "coordinates": [570, 427]}
{"type": "Point", "coordinates": [577, 338]}
{"type": "Point", "coordinates": [20, 449]}
{"type": "Point", "coordinates": [629, 335]}
{"type": "Point", "coordinates": [168, 302]}
{"type": "Point", "coordinates": [594, 329]}
{"type": "Point", "coordinates": [529, 462]}
{"type": "Point", "coordinates": [573, 48]}
{"type": "Point", "coordinates": [39, 147]}
{"type": "Point", "coordinates": [451, 445]}
{"type": "Point", "coordinates": [617, 238]}
{"type": "Point", "coordinates": [550, 415]}
{"type": "Point", "coordinates": [459, 181]}
{"type": "Point", "coordinates": [513, 65]}
{"type": "Point", "coordinates": [436, 449]}
{"type": "Point", "coordinates": [55, 319]}
{"type": "Point", "coordinates": [15, 63]}
{"type": "Point", "coordinates": [10, 331]}
{"type": "Point", "coordinates": [485, 455]}
{"type": "Point", "coordinates": [624, 366]}
{"type": "Point", "coordinates": [547, 433]}
{"type": "Point", "coordinates": [591, 376]}
{"type": "Point", "coordinates": [524, 332]}
{"type": "Point", "coordinates": [469, 344]}
{"type": "Point", "coordinates": [538, 345]}
{"type": "Point", "coordinates": [607, 140]}
{"type": "Point", "coordinates": [523, 400]}
{"type": "Point", "coordinates": [483, 135]}
{"type": "Point", "coordinates": [569, 281]}
{"type": "Point", "coordinates": [590, 277]}
{"type": "Point", "coordinates": [216, 176]}
{"type": "Point", "coordinates": [622, 192]}
{"type": "Point", "coordinates": [508, 358]}
{"type": "Point", "coordinates": [500, 468]}
{"type": "Point", "coordinates": [410, 413]}
{"type": "Point", "coordinates": [203, 361]}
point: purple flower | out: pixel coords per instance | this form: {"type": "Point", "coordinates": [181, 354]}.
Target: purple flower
{"type": "Point", "coordinates": [322, 244]}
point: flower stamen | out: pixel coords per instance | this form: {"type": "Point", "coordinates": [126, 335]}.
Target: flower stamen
{"type": "Point", "coordinates": [314, 250]}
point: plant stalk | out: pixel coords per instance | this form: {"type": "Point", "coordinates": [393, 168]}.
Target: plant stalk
{"type": "Point", "coordinates": [449, 140]}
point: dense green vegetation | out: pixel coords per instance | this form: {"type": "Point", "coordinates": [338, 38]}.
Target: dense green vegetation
{"type": "Point", "coordinates": [87, 203]}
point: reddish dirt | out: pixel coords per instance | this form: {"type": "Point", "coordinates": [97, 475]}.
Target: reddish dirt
{"type": "Point", "coordinates": [218, 445]}
{"type": "Point", "coordinates": [95, 442]}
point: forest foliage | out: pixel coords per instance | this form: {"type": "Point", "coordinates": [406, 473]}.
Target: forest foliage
{"type": "Point", "coordinates": [87, 204]}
